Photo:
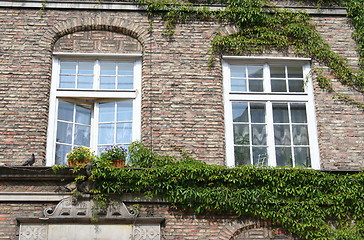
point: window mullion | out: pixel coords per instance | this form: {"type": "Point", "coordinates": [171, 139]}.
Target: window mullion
{"type": "Point", "coordinates": [270, 135]}
{"type": "Point", "coordinates": [73, 125]}
{"type": "Point", "coordinates": [115, 121]}
{"type": "Point", "coordinates": [250, 135]}
{"type": "Point", "coordinates": [97, 73]}
{"type": "Point", "coordinates": [266, 81]}
{"type": "Point", "coordinates": [94, 127]}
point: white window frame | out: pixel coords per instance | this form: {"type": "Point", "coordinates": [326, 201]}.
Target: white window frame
{"type": "Point", "coordinates": [269, 97]}
{"type": "Point", "coordinates": [97, 94]}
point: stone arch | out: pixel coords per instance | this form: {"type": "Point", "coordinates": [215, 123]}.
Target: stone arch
{"type": "Point", "coordinates": [103, 23]}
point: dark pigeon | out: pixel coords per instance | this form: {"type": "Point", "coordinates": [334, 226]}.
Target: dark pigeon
{"type": "Point", "coordinates": [30, 161]}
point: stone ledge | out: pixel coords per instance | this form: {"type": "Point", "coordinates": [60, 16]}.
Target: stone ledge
{"type": "Point", "coordinates": [100, 220]}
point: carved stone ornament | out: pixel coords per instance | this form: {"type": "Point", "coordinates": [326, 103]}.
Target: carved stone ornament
{"type": "Point", "coordinates": [73, 209]}
{"type": "Point", "coordinates": [149, 232]}
{"type": "Point", "coordinates": [33, 232]}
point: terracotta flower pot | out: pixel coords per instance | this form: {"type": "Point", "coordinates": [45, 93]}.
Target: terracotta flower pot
{"type": "Point", "coordinates": [73, 164]}
{"type": "Point", "coordinates": [119, 163]}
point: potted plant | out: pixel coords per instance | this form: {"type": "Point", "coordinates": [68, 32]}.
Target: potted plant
{"type": "Point", "coordinates": [115, 154]}
{"type": "Point", "coordinates": [80, 155]}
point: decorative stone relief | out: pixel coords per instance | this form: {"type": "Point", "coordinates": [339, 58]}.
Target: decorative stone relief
{"type": "Point", "coordinates": [68, 208]}
{"type": "Point", "coordinates": [33, 232]}
{"type": "Point", "coordinates": [146, 232]}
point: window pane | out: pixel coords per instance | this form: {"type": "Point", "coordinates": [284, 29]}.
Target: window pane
{"type": "Point", "coordinates": [240, 112]}
{"type": "Point", "coordinates": [238, 85]}
{"type": "Point", "coordinates": [298, 113]}
{"type": "Point", "coordinates": [259, 135]}
{"type": "Point", "coordinates": [68, 67]}
{"type": "Point", "coordinates": [280, 113]}
{"type": "Point", "coordinates": [64, 132]}
{"type": "Point", "coordinates": [124, 111]}
{"type": "Point", "coordinates": [124, 133]}
{"type": "Point", "coordinates": [83, 115]}
{"type": "Point", "coordinates": [260, 156]}
{"type": "Point", "coordinates": [284, 156]}
{"type": "Point", "coordinates": [294, 72]}
{"type": "Point", "coordinates": [107, 112]}
{"type": "Point", "coordinates": [61, 154]}
{"type": "Point", "coordinates": [296, 86]}
{"type": "Point", "coordinates": [302, 156]}
{"type": "Point", "coordinates": [126, 69]}
{"type": "Point", "coordinates": [278, 86]}
{"type": "Point", "coordinates": [125, 82]}
{"type": "Point", "coordinates": [277, 72]}
{"type": "Point", "coordinates": [82, 135]}
{"type": "Point", "coordinates": [106, 134]}
{"type": "Point", "coordinates": [255, 71]}
{"type": "Point", "coordinates": [242, 155]}
{"type": "Point", "coordinates": [67, 81]}
{"type": "Point", "coordinates": [257, 112]}
{"type": "Point", "coordinates": [108, 68]}
{"type": "Point", "coordinates": [282, 135]}
{"type": "Point", "coordinates": [300, 135]}
{"type": "Point", "coordinates": [256, 85]}
{"type": "Point", "coordinates": [241, 134]}
{"type": "Point", "coordinates": [65, 111]}
{"type": "Point", "coordinates": [86, 68]}
{"type": "Point", "coordinates": [107, 82]}
{"type": "Point", "coordinates": [237, 71]}
{"type": "Point", "coordinates": [85, 82]}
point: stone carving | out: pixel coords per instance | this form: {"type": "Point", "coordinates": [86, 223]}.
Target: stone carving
{"type": "Point", "coordinates": [33, 232]}
{"type": "Point", "coordinates": [68, 208]}
{"type": "Point", "coordinates": [146, 232]}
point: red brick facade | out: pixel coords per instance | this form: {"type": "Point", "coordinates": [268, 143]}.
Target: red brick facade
{"type": "Point", "coordinates": [182, 101]}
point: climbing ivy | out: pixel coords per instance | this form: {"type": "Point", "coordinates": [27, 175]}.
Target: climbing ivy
{"type": "Point", "coordinates": [262, 26]}
{"type": "Point", "coordinates": [308, 203]}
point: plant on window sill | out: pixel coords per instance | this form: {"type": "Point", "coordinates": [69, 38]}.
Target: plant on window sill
{"type": "Point", "coordinates": [80, 156]}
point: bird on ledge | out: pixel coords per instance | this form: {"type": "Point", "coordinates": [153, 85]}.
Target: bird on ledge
{"type": "Point", "coordinates": [30, 161]}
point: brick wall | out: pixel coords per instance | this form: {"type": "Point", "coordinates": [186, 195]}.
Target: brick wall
{"type": "Point", "coordinates": [182, 97]}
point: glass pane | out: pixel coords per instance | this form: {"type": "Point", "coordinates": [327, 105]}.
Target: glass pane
{"type": "Point", "coordinates": [277, 72]}
{"type": "Point", "coordinates": [107, 112]}
{"type": "Point", "coordinates": [124, 111]}
{"type": "Point", "coordinates": [125, 82]}
{"type": "Point", "coordinates": [284, 156]}
{"type": "Point", "coordinates": [61, 153]}
{"type": "Point", "coordinates": [67, 81]}
{"type": "Point", "coordinates": [298, 113]}
{"type": "Point", "coordinates": [278, 86]}
{"type": "Point", "coordinates": [107, 82]}
{"type": "Point", "coordinates": [64, 132]}
{"type": "Point", "coordinates": [238, 85]}
{"type": "Point", "coordinates": [83, 115]}
{"type": "Point", "coordinates": [108, 68]}
{"type": "Point", "coordinates": [296, 86]}
{"type": "Point", "coordinates": [294, 72]}
{"type": "Point", "coordinates": [255, 71]}
{"type": "Point", "coordinates": [259, 135]}
{"type": "Point", "coordinates": [68, 67]}
{"type": "Point", "coordinates": [126, 69]}
{"type": "Point", "coordinates": [106, 134]}
{"type": "Point", "coordinates": [257, 112]}
{"type": "Point", "coordinates": [85, 82]}
{"type": "Point", "coordinates": [282, 135]}
{"type": "Point", "coordinates": [82, 135]}
{"type": "Point", "coordinates": [86, 68]}
{"type": "Point", "coordinates": [302, 156]}
{"type": "Point", "coordinates": [280, 113]}
{"type": "Point", "coordinates": [241, 134]}
{"type": "Point", "coordinates": [300, 135]}
{"type": "Point", "coordinates": [65, 111]}
{"type": "Point", "coordinates": [242, 155]}
{"type": "Point", "coordinates": [124, 133]}
{"type": "Point", "coordinates": [237, 71]}
{"type": "Point", "coordinates": [240, 112]}
{"type": "Point", "coordinates": [256, 85]}
{"type": "Point", "coordinates": [260, 156]}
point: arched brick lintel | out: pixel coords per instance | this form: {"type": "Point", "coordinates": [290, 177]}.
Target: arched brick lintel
{"type": "Point", "coordinates": [230, 231]}
{"type": "Point", "coordinates": [99, 23]}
